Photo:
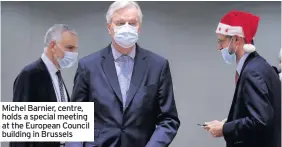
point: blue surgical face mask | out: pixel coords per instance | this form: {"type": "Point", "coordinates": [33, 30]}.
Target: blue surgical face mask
{"type": "Point", "coordinates": [68, 60]}
{"type": "Point", "coordinates": [126, 35]}
{"type": "Point", "coordinates": [228, 56]}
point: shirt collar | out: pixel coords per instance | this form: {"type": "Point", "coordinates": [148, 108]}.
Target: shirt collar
{"type": "Point", "coordinates": [241, 62]}
{"type": "Point", "coordinates": [117, 54]}
{"type": "Point", "coordinates": [49, 64]}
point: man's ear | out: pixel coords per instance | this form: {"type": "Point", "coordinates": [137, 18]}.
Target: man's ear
{"type": "Point", "coordinates": [52, 45]}
{"type": "Point", "coordinates": [139, 28]}
{"type": "Point", "coordinates": [109, 28]}
{"type": "Point", "coordinates": [237, 39]}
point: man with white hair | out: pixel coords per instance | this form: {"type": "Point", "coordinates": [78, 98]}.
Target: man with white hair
{"type": "Point", "coordinates": [130, 86]}
{"type": "Point", "coordinates": [41, 81]}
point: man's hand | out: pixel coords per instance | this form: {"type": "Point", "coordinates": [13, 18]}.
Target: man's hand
{"type": "Point", "coordinates": [215, 128]}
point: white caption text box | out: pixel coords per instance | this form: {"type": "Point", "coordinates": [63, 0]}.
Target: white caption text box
{"type": "Point", "coordinates": [47, 121]}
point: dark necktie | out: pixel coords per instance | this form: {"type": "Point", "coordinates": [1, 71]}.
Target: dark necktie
{"type": "Point", "coordinates": [61, 86]}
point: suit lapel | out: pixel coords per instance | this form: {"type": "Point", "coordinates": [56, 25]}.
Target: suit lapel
{"type": "Point", "coordinates": [47, 80]}
{"type": "Point", "coordinates": [110, 70]}
{"type": "Point", "coordinates": [249, 58]}
{"type": "Point", "coordinates": [140, 66]}
{"type": "Point", "coordinates": [68, 97]}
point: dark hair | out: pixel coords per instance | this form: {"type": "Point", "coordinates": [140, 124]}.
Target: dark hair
{"type": "Point", "coordinates": [252, 41]}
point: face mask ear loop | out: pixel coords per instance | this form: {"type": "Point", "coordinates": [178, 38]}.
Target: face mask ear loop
{"type": "Point", "coordinates": [236, 49]}
{"type": "Point", "coordinates": [229, 46]}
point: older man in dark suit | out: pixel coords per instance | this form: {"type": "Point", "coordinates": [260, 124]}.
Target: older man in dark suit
{"type": "Point", "coordinates": [41, 81]}
{"type": "Point", "coordinates": [131, 87]}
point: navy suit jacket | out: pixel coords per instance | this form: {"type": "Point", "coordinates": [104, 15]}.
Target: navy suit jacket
{"type": "Point", "coordinates": [150, 117]}
{"type": "Point", "coordinates": [255, 116]}
{"type": "Point", "coordinates": [34, 84]}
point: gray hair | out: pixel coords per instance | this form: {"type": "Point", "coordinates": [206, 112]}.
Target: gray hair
{"type": "Point", "coordinates": [55, 33]}
{"type": "Point", "coordinates": [120, 5]}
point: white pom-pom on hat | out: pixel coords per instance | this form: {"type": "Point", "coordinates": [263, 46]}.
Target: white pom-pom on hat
{"type": "Point", "coordinates": [249, 48]}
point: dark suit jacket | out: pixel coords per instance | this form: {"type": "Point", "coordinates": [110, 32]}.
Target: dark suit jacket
{"type": "Point", "coordinates": [255, 116]}
{"type": "Point", "coordinates": [150, 100]}
{"type": "Point", "coordinates": [276, 70]}
{"type": "Point", "coordinates": [34, 84]}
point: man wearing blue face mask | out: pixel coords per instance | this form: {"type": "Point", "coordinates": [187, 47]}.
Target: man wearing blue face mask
{"type": "Point", "coordinates": [254, 118]}
{"type": "Point", "coordinates": [41, 81]}
{"type": "Point", "coordinates": [130, 86]}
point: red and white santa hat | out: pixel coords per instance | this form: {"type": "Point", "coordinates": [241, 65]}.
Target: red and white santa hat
{"type": "Point", "coordinates": [242, 24]}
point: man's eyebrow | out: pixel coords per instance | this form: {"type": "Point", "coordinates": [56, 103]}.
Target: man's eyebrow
{"type": "Point", "coordinates": [70, 46]}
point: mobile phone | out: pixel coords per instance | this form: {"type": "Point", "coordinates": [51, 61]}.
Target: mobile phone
{"type": "Point", "coordinates": [202, 125]}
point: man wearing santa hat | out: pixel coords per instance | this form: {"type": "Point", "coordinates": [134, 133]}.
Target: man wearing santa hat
{"type": "Point", "coordinates": [254, 118]}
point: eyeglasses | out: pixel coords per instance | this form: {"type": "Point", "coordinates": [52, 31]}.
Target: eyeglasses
{"type": "Point", "coordinates": [219, 41]}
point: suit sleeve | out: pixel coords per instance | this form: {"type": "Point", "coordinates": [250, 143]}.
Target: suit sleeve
{"type": "Point", "coordinates": [80, 89]}
{"type": "Point", "coordinates": [256, 98]}
{"type": "Point", "coordinates": [168, 122]}
{"type": "Point", "coordinates": [79, 94]}
{"type": "Point", "coordinates": [22, 92]}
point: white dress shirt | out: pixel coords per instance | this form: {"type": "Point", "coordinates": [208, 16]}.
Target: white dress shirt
{"type": "Point", "coordinates": [52, 71]}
